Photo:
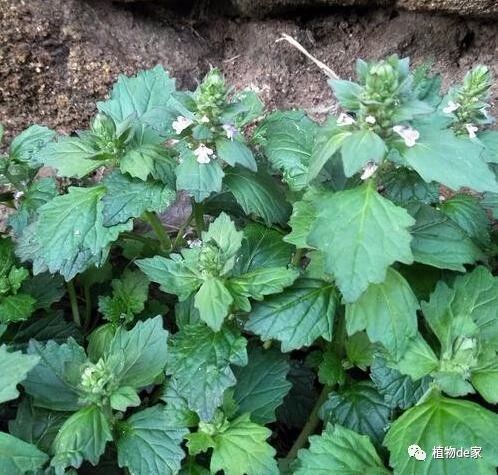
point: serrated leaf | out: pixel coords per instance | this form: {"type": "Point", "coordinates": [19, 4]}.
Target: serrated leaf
{"type": "Point", "coordinates": [242, 449]}
{"type": "Point", "coordinates": [18, 457]}
{"type": "Point", "coordinates": [358, 407]}
{"type": "Point", "coordinates": [82, 437]}
{"type": "Point", "coordinates": [489, 138]}
{"type": "Point", "coordinates": [15, 308]}
{"type": "Point", "coordinates": [301, 221]}
{"type": "Point", "coordinates": [141, 158]}
{"type": "Point", "coordinates": [388, 312]}
{"type": "Point", "coordinates": [443, 422]}
{"type": "Point", "coordinates": [403, 185]}
{"type": "Point", "coordinates": [296, 317]}
{"type": "Point", "coordinates": [213, 302]}
{"type": "Point", "coordinates": [142, 350]}
{"type": "Point", "coordinates": [199, 362]}
{"type": "Point", "coordinates": [360, 350]}
{"type": "Point", "coordinates": [127, 198]}
{"type": "Point", "coordinates": [361, 234]}
{"type": "Point", "coordinates": [13, 370]}
{"type": "Point", "coordinates": [224, 233]}
{"type": "Point", "coordinates": [50, 382]}
{"type": "Point", "coordinates": [490, 202]}
{"type": "Point", "coordinates": [419, 360]}
{"type": "Point", "coordinates": [359, 148]}
{"type": "Point", "coordinates": [340, 451]}
{"type": "Point", "coordinates": [28, 143]}
{"type": "Point", "coordinates": [330, 369]}
{"type": "Point", "coordinates": [151, 443]}
{"type": "Point", "coordinates": [262, 385]}
{"type": "Point", "coordinates": [347, 92]}
{"type": "Point", "coordinates": [259, 194]}
{"type": "Point", "coordinates": [45, 288]}
{"type": "Point", "coordinates": [235, 152]}
{"type": "Point", "coordinates": [439, 242]}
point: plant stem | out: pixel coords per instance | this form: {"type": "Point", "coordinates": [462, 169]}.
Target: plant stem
{"type": "Point", "coordinates": [74, 303]}
{"type": "Point", "coordinates": [159, 229]}
{"type": "Point", "coordinates": [137, 237]}
{"type": "Point", "coordinates": [311, 424]}
{"type": "Point", "coordinates": [181, 231]}
{"type": "Point", "coordinates": [88, 305]}
{"type": "Point", "coordinates": [296, 259]}
{"type": "Point", "coordinates": [198, 210]}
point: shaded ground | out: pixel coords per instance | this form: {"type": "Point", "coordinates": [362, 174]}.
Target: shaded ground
{"type": "Point", "coordinates": [57, 58]}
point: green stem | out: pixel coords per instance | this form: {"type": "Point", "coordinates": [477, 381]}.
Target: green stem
{"type": "Point", "coordinates": [181, 231]}
{"type": "Point", "coordinates": [311, 424]}
{"type": "Point", "coordinates": [198, 210]}
{"type": "Point", "coordinates": [137, 237]}
{"type": "Point", "coordinates": [159, 229]}
{"type": "Point", "coordinates": [296, 259]}
{"type": "Point", "coordinates": [88, 305]}
{"type": "Point", "coordinates": [74, 303]}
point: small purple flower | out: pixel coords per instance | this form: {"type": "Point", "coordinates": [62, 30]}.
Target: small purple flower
{"type": "Point", "coordinates": [230, 130]}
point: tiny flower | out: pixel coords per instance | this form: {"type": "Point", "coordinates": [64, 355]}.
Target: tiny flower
{"type": "Point", "coordinates": [451, 107]}
{"type": "Point", "coordinates": [369, 170]}
{"type": "Point", "coordinates": [230, 130]}
{"type": "Point", "coordinates": [345, 119]}
{"type": "Point", "coordinates": [471, 129]}
{"type": "Point", "coordinates": [204, 119]}
{"type": "Point", "coordinates": [370, 119]}
{"type": "Point", "coordinates": [409, 135]}
{"type": "Point", "coordinates": [180, 124]}
{"type": "Point", "coordinates": [18, 194]}
{"type": "Point", "coordinates": [203, 153]}
{"type": "Point", "coordinates": [194, 243]}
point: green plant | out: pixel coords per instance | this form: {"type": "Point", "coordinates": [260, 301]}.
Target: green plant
{"type": "Point", "coordinates": [327, 305]}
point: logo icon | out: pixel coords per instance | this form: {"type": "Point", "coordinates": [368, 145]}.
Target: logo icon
{"type": "Point", "coordinates": [416, 451]}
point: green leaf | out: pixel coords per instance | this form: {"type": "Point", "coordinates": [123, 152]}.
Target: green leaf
{"type": "Point", "coordinates": [18, 457]}
{"type": "Point", "coordinates": [403, 185]}
{"type": "Point", "coordinates": [174, 276]}
{"type": "Point", "coordinates": [347, 92]}
{"type": "Point", "coordinates": [359, 148]}
{"type": "Point", "coordinates": [29, 142]}
{"type": "Point", "coordinates": [298, 316]}
{"type": "Point", "coordinates": [388, 312]}
{"type": "Point", "coordinates": [213, 302]}
{"type": "Point", "coordinates": [242, 450]}
{"type": "Point", "coordinates": [330, 370]}
{"type": "Point", "coordinates": [141, 158]}
{"type": "Point", "coordinates": [262, 385]}
{"type": "Point", "coordinates": [13, 370]}
{"type": "Point", "coordinates": [361, 234]}
{"type": "Point", "coordinates": [485, 379]}
{"type": "Point", "coordinates": [199, 362]}
{"type": "Point", "coordinates": [443, 422]}
{"type": "Point", "coordinates": [150, 442]}
{"type": "Point", "coordinates": [142, 351]}
{"type": "Point", "coordinates": [454, 161]}
{"type": "Point", "coordinates": [235, 152]}
{"type": "Point", "coordinates": [258, 194]}
{"type": "Point", "coordinates": [490, 202]}
{"type": "Point", "coordinates": [489, 138]}
{"type": "Point", "coordinates": [287, 140]}
{"type": "Point", "coordinates": [138, 95]}
{"type": "Point", "coordinates": [224, 233]}
{"type": "Point", "coordinates": [398, 390]}
{"type": "Point", "coordinates": [358, 407]}
{"type": "Point", "coordinates": [262, 247]}
{"type": "Point", "coordinates": [339, 451]}
{"type": "Point", "coordinates": [128, 197]}
{"type": "Point", "coordinates": [263, 281]}
{"type": "Point", "coordinates": [82, 437]}
{"type": "Point", "coordinates": [71, 156]}
{"type": "Point", "coordinates": [419, 360]}
{"type": "Point", "coordinates": [360, 350]}
{"type": "Point", "coordinates": [69, 233]}
{"type": "Point", "coordinates": [15, 308]}
{"type": "Point", "coordinates": [439, 242]}
{"type": "Point", "coordinates": [51, 382]}
{"type": "Point", "coordinates": [301, 222]}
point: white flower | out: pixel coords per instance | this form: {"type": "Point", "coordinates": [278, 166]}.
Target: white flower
{"type": "Point", "coordinates": [369, 170]}
{"type": "Point", "coordinates": [180, 124]}
{"type": "Point", "coordinates": [203, 153]}
{"type": "Point", "coordinates": [204, 119]}
{"type": "Point", "coordinates": [451, 107]}
{"type": "Point", "coordinates": [471, 129]}
{"type": "Point", "coordinates": [18, 194]}
{"type": "Point", "coordinates": [370, 119]}
{"type": "Point", "coordinates": [230, 130]}
{"type": "Point", "coordinates": [345, 119]}
{"type": "Point", "coordinates": [194, 243]}
{"type": "Point", "coordinates": [409, 135]}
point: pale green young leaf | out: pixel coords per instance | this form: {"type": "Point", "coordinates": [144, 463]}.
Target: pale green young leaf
{"type": "Point", "coordinates": [359, 407]}
{"type": "Point", "coordinates": [139, 161]}
{"type": "Point", "coordinates": [82, 437]}
{"type": "Point", "coordinates": [339, 451]}
{"type": "Point", "coordinates": [347, 92]}
{"type": "Point", "coordinates": [301, 221]}
{"type": "Point", "coordinates": [259, 194]}
{"type": "Point", "coordinates": [28, 143]}
{"type": "Point", "coordinates": [127, 198]}
{"type": "Point", "coordinates": [439, 242]}
{"type": "Point", "coordinates": [234, 152]}
{"type": "Point", "coordinates": [150, 442]}
{"type": "Point", "coordinates": [490, 202]}
{"type": "Point", "coordinates": [242, 450]}
{"type": "Point", "coordinates": [71, 157]}
{"type": "Point", "coordinates": [484, 378]}
{"type": "Point", "coordinates": [388, 313]}
{"type": "Point", "coordinates": [199, 362]}
{"type": "Point", "coordinates": [142, 350]}
{"type": "Point", "coordinates": [359, 148]}
{"type": "Point", "coordinates": [213, 302]}
{"type": "Point", "coordinates": [443, 422]}
{"type": "Point", "coordinates": [360, 350]}
{"type": "Point", "coordinates": [15, 308]}
{"type": "Point", "coordinates": [489, 138]}
{"type": "Point", "coordinates": [13, 370]}
{"type": "Point", "coordinates": [51, 383]}
{"type": "Point", "coordinates": [224, 233]}
{"type": "Point", "coordinates": [296, 317]}
{"type": "Point", "coordinates": [173, 275]}
{"type": "Point", "coordinates": [18, 457]}
{"type": "Point", "coordinates": [262, 384]}
{"type": "Point", "coordinates": [361, 234]}
{"type": "Point", "coordinates": [419, 360]}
